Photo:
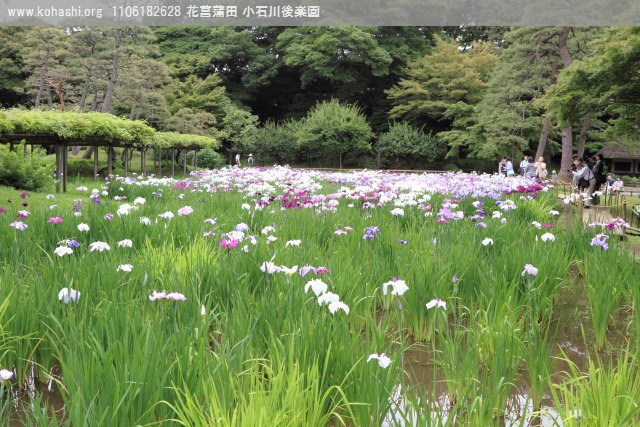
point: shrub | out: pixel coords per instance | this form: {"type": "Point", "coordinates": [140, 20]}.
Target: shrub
{"type": "Point", "coordinates": [237, 130]}
{"type": "Point", "coordinates": [478, 165]}
{"type": "Point", "coordinates": [451, 167]}
{"type": "Point", "coordinates": [408, 143]}
{"type": "Point", "coordinates": [207, 159]}
{"type": "Point", "coordinates": [30, 171]}
{"type": "Point", "coordinates": [83, 167]}
{"type": "Point", "coordinates": [631, 181]}
{"type": "Point", "coordinates": [277, 143]}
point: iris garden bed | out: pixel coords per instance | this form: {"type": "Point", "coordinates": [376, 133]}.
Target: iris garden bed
{"type": "Point", "coordinates": [271, 296]}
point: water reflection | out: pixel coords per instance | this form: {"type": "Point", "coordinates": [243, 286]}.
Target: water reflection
{"type": "Point", "coordinates": [518, 413]}
{"type": "Point", "coordinates": [572, 342]}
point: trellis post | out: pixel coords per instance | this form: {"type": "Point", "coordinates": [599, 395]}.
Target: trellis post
{"type": "Point", "coordinates": [59, 167]}
{"type": "Point", "coordinates": [95, 163]}
{"type": "Point", "coordinates": [173, 161]}
{"type": "Point", "coordinates": [110, 161]}
{"type": "Point", "coordinates": [195, 159]}
{"type": "Point", "coordinates": [184, 163]}
{"type": "Point", "coordinates": [65, 155]}
{"type": "Point", "coordinates": [126, 161]}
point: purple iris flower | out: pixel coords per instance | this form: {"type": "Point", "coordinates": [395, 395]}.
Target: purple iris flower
{"type": "Point", "coordinates": [307, 268]}
{"type": "Point", "coordinates": [370, 232]}
{"type": "Point", "coordinates": [601, 241]}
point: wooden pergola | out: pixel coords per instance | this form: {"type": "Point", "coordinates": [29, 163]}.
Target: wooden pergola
{"type": "Point", "coordinates": [63, 130]}
{"type": "Point", "coordinates": [62, 146]}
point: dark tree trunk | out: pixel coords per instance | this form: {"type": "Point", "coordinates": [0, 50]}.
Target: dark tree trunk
{"type": "Point", "coordinates": [567, 154]}
{"type": "Point", "coordinates": [94, 102]}
{"type": "Point", "coordinates": [544, 137]}
{"type": "Point", "coordinates": [41, 84]}
{"type": "Point", "coordinates": [58, 87]}
{"type": "Point", "coordinates": [586, 124]}
{"type": "Point", "coordinates": [113, 73]}
{"type": "Point", "coordinates": [567, 131]}
{"type": "Point", "coordinates": [85, 89]}
{"type": "Point", "coordinates": [113, 79]}
{"type": "Point", "coordinates": [546, 125]}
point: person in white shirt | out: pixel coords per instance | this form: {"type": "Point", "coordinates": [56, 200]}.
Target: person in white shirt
{"type": "Point", "coordinates": [618, 186]}
{"type": "Point", "coordinates": [541, 168]}
{"type": "Point", "coordinates": [574, 170]}
{"type": "Point", "coordinates": [509, 168]}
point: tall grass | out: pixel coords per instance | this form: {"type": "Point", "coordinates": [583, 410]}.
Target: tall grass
{"type": "Point", "coordinates": [606, 394]}
{"type": "Point", "coordinates": [251, 348]}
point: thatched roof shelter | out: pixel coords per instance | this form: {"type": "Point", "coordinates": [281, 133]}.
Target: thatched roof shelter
{"type": "Point", "coordinates": [620, 152]}
{"type": "Point", "coordinates": [622, 159]}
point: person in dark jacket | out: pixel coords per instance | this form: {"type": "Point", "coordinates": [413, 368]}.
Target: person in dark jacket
{"type": "Point", "coordinates": [502, 166]}
{"type": "Point", "coordinates": [530, 169]}
{"type": "Point", "coordinates": [598, 171]}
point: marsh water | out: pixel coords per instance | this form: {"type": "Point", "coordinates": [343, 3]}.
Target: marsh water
{"type": "Point", "coordinates": [572, 344]}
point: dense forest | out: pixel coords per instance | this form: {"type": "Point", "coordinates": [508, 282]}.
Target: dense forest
{"type": "Point", "coordinates": [352, 96]}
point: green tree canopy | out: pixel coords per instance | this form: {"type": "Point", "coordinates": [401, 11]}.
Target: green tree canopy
{"type": "Point", "coordinates": [336, 130]}
{"type": "Point", "coordinates": [198, 94]}
{"type": "Point", "coordinates": [187, 120]}
{"type": "Point", "coordinates": [608, 80]}
{"type": "Point", "coordinates": [437, 81]}
{"type": "Point", "coordinates": [332, 53]}
{"type": "Point", "coordinates": [12, 70]}
{"type": "Point", "coordinates": [237, 130]}
{"type": "Point", "coordinates": [511, 118]}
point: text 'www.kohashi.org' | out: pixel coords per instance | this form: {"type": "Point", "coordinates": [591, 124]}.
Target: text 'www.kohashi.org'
{"type": "Point", "coordinates": [55, 12]}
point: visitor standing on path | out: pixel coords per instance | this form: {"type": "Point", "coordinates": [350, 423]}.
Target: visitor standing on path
{"type": "Point", "coordinates": [238, 159]}
{"type": "Point", "coordinates": [250, 159]}
{"type": "Point", "coordinates": [541, 168]}
{"type": "Point", "coordinates": [530, 170]}
{"type": "Point", "coordinates": [574, 170]}
{"type": "Point", "coordinates": [523, 166]}
{"type": "Point", "coordinates": [502, 166]}
{"type": "Point", "coordinates": [598, 171]}
{"type": "Point", "coordinates": [586, 179]}
{"type": "Point", "coordinates": [510, 168]}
